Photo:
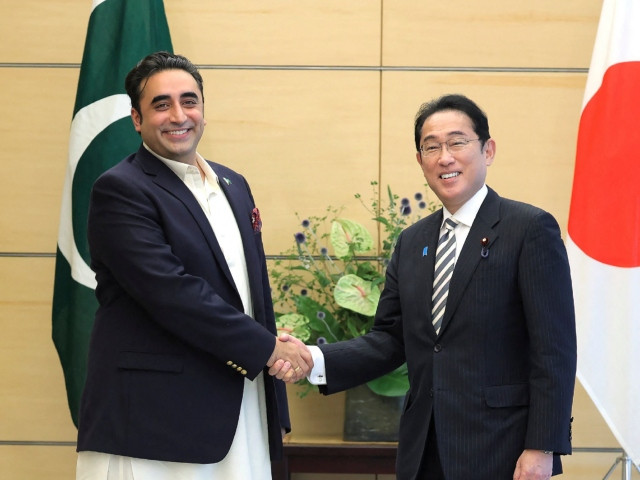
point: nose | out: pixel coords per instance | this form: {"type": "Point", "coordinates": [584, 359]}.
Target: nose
{"type": "Point", "coordinates": [176, 114]}
{"type": "Point", "coordinates": [445, 155]}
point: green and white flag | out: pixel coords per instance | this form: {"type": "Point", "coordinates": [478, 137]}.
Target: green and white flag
{"type": "Point", "coordinates": [120, 33]}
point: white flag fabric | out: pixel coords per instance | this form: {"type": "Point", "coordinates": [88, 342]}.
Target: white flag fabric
{"type": "Point", "coordinates": [603, 239]}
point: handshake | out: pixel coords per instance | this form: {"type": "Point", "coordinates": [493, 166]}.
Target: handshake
{"type": "Point", "coordinates": [291, 360]}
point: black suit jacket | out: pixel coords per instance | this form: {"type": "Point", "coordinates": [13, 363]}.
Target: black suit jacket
{"type": "Point", "coordinates": [171, 346]}
{"type": "Point", "coordinates": [499, 378]}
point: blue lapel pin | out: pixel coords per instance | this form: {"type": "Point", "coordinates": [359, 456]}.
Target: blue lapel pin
{"type": "Point", "coordinates": [425, 250]}
{"type": "Point", "coordinates": [227, 180]}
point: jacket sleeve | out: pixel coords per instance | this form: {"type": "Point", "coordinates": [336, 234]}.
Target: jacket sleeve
{"type": "Point", "coordinates": [546, 291]}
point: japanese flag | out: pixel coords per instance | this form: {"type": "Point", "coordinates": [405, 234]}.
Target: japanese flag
{"type": "Point", "coordinates": [604, 225]}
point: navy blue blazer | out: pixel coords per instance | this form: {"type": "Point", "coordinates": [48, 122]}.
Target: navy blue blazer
{"type": "Point", "coordinates": [499, 378]}
{"type": "Point", "coordinates": [171, 346]}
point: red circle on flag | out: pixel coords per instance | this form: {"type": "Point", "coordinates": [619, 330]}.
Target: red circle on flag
{"type": "Point", "coordinates": [604, 219]}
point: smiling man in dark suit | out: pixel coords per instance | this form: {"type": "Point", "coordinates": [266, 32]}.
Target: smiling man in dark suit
{"type": "Point", "coordinates": [486, 323]}
{"type": "Point", "coordinates": [185, 327]}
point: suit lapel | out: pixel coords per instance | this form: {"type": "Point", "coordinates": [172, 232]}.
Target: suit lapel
{"type": "Point", "coordinates": [429, 239]}
{"type": "Point", "coordinates": [169, 181]}
{"type": "Point", "coordinates": [422, 250]}
{"type": "Point", "coordinates": [470, 256]}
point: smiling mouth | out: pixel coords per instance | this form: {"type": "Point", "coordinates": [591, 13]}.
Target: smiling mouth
{"type": "Point", "coordinates": [178, 132]}
{"type": "Point", "coordinates": [446, 176]}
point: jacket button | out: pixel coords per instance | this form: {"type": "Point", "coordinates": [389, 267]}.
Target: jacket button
{"type": "Point", "coordinates": [229, 362]}
{"type": "Point", "coordinates": [243, 372]}
{"type": "Point", "coordinates": [437, 348]}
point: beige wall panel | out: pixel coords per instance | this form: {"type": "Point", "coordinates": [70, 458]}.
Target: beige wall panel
{"type": "Point", "coordinates": [500, 33]}
{"type": "Point", "coordinates": [289, 32]}
{"type": "Point", "coordinates": [253, 32]}
{"type": "Point", "coordinates": [589, 428]}
{"type": "Point", "coordinates": [315, 417]}
{"type": "Point", "coordinates": [590, 465]}
{"type": "Point", "coordinates": [303, 139]}
{"type": "Point", "coordinates": [32, 462]}
{"type": "Point", "coordinates": [533, 118]}
{"type": "Point", "coordinates": [33, 31]}
{"type": "Point", "coordinates": [35, 145]}
{"type": "Point", "coordinates": [33, 397]}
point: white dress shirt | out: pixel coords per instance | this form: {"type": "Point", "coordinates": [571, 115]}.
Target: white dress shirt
{"type": "Point", "coordinates": [248, 457]}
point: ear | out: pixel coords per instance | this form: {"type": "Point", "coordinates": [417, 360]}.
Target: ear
{"type": "Point", "coordinates": [489, 151]}
{"type": "Point", "coordinates": [419, 158]}
{"type": "Point", "coordinates": [137, 119]}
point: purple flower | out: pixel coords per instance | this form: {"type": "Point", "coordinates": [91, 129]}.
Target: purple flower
{"type": "Point", "coordinates": [404, 202]}
{"type": "Point", "coordinates": [305, 223]}
{"type": "Point", "coordinates": [303, 292]}
{"type": "Point", "coordinates": [405, 210]}
{"type": "Point", "coordinates": [285, 287]}
{"type": "Point", "coordinates": [422, 204]}
{"type": "Point", "coordinates": [321, 315]}
{"type": "Point", "coordinates": [418, 196]}
{"type": "Point", "coordinates": [324, 252]}
{"type": "Point", "coordinates": [300, 238]}
{"type": "Point", "coordinates": [321, 341]}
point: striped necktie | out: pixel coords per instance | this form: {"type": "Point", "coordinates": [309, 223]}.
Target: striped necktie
{"type": "Point", "coordinates": [445, 261]}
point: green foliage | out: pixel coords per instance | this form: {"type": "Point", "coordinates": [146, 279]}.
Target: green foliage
{"type": "Point", "coordinates": [327, 287]}
{"type": "Point", "coordinates": [392, 384]}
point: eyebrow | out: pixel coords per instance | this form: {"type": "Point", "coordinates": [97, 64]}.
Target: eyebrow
{"type": "Point", "coordinates": [455, 132]}
{"type": "Point", "coordinates": [160, 98]}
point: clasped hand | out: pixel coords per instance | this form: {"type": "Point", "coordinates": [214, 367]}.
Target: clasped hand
{"type": "Point", "coordinates": [291, 360]}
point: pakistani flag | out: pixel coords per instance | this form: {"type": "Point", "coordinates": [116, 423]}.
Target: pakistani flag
{"type": "Point", "coordinates": [120, 33]}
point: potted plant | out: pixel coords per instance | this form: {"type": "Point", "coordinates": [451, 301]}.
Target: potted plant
{"type": "Point", "coordinates": [326, 287]}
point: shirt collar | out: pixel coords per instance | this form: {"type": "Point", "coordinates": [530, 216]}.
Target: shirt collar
{"type": "Point", "coordinates": [181, 169]}
{"type": "Point", "coordinates": [467, 213]}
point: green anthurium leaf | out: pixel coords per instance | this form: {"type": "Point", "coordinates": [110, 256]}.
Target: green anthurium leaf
{"type": "Point", "coordinates": [349, 237]}
{"type": "Point", "coordinates": [356, 294]}
{"type": "Point", "coordinates": [393, 384]}
{"type": "Point", "coordinates": [294, 324]}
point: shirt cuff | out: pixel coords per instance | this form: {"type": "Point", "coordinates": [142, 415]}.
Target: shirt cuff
{"type": "Point", "coordinates": [317, 376]}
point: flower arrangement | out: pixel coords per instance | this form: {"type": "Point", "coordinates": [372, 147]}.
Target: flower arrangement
{"type": "Point", "coordinates": [326, 288]}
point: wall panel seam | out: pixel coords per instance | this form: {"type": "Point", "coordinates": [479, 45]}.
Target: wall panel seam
{"type": "Point", "coordinates": [365, 68]}
{"type": "Point", "coordinates": [28, 254]}
{"type": "Point", "coordinates": [37, 443]}
{"type": "Point", "coordinates": [371, 258]}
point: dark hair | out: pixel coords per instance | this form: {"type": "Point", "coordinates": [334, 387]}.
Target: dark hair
{"type": "Point", "coordinates": [453, 102]}
{"type": "Point", "coordinates": [152, 64]}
